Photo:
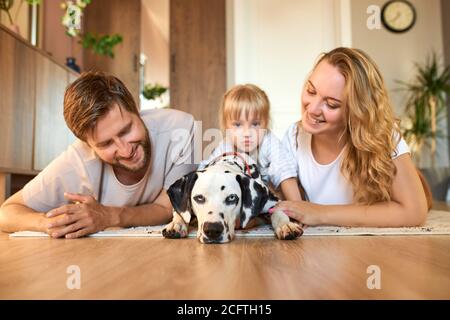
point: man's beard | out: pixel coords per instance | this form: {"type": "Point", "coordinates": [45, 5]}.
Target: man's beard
{"type": "Point", "coordinates": [146, 149]}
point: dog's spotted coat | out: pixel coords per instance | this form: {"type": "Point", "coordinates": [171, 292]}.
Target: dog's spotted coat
{"type": "Point", "coordinates": [228, 190]}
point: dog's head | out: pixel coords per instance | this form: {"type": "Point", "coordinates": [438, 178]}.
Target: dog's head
{"type": "Point", "coordinates": [218, 196]}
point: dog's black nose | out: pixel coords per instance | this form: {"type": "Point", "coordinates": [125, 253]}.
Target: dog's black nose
{"type": "Point", "coordinates": [213, 230]}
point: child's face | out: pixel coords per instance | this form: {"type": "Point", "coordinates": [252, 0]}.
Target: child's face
{"type": "Point", "coordinates": [246, 134]}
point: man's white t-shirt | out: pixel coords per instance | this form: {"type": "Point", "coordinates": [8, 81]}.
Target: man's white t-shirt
{"type": "Point", "coordinates": [78, 169]}
{"type": "Point", "coordinates": [323, 184]}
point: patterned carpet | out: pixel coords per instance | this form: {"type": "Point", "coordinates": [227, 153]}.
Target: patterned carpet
{"type": "Point", "coordinates": [438, 223]}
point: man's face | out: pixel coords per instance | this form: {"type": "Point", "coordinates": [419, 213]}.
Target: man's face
{"type": "Point", "coordinates": [121, 139]}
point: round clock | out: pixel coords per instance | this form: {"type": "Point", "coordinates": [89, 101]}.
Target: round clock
{"type": "Point", "coordinates": [398, 15]}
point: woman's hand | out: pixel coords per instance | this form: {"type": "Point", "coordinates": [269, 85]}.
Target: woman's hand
{"type": "Point", "coordinates": [306, 213]}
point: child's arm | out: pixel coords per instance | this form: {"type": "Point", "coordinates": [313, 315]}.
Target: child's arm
{"type": "Point", "coordinates": [290, 190]}
{"type": "Point", "coordinates": [282, 168]}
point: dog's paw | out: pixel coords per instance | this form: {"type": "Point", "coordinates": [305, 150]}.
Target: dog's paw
{"type": "Point", "coordinates": [289, 231]}
{"type": "Point", "coordinates": [175, 230]}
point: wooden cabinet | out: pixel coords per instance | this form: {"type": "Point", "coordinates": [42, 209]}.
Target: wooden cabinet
{"type": "Point", "coordinates": [17, 91]}
{"type": "Point", "coordinates": [198, 58]}
{"type": "Point", "coordinates": [32, 127]}
{"type": "Point", "coordinates": [51, 135]}
{"type": "Point", "coordinates": [111, 17]}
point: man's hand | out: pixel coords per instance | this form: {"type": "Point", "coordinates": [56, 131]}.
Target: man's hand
{"type": "Point", "coordinates": [76, 220]}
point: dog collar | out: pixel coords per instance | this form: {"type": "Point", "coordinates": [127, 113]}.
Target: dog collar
{"type": "Point", "coordinates": [247, 167]}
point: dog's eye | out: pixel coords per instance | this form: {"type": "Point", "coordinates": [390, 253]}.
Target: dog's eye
{"type": "Point", "coordinates": [199, 199]}
{"type": "Point", "coordinates": [231, 199]}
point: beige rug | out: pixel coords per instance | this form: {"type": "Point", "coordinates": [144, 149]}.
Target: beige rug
{"type": "Point", "coordinates": [438, 223]}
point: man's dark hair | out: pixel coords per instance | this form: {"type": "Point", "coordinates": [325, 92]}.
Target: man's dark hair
{"type": "Point", "coordinates": [90, 97]}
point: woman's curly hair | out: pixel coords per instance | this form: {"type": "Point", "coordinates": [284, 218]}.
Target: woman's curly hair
{"type": "Point", "coordinates": [371, 128]}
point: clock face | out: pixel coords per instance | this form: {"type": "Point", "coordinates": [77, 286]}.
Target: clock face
{"type": "Point", "coordinates": [398, 16]}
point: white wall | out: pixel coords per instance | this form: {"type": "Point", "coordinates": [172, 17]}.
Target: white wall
{"type": "Point", "coordinates": [274, 44]}
{"type": "Point", "coordinates": [395, 54]}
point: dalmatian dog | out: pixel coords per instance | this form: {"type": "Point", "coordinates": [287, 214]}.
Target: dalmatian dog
{"type": "Point", "coordinates": [228, 192]}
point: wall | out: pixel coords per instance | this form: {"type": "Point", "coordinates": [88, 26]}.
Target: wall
{"type": "Point", "coordinates": [395, 54]}
{"type": "Point", "coordinates": [19, 17]}
{"type": "Point", "coordinates": [274, 44]}
{"type": "Point", "coordinates": [55, 41]}
{"type": "Point", "coordinates": [445, 8]}
{"type": "Point", "coordinates": [155, 44]}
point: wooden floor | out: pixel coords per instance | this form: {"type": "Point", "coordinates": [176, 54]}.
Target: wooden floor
{"type": "Point", "coordinates": [411, 267]}
{"type": "Point", "coordinates": [414, 267]}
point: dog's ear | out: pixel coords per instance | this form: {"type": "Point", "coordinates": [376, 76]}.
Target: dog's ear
{"type": "Point", "coordinates": [254, 197]}
{"type": "Point", "coordinates": [254, 171]}
{"type": "Point", "coordinates": [180, 195]}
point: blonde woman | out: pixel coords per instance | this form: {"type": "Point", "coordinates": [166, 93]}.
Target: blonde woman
{"type": "Point", "coordinates": [353, 164]}
{"type": "Point", "coordinates": [245, 117]}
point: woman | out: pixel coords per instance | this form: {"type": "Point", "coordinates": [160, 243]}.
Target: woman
{"type": "Point", "coordinates": [354, 166]}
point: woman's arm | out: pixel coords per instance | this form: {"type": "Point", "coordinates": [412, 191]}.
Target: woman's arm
{"type": "Point", "coordinates": [290, 190]}
{"type": "Point", "coordinates": [408, 206]}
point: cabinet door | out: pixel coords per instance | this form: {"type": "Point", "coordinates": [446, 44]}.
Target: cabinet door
{"type": "Point", "coordinates": [198, 58]}
{"type": "Point", "coordinates": [16, 104]}
{"type": "Point", "coordinates": [51, 135]}
{"type": "Point", "coordinates": [111, 17]}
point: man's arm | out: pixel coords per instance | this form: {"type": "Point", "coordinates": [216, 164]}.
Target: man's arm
{"type": "Point", "coordinates": [87, 216]}
{"type": "Point", "coordinates": [16, 216]}
{"type": "Point", "coordinates": [82, 218]}
{"type": "Point", "coordinates": [156, 213]}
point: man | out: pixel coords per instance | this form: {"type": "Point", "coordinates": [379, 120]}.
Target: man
{"type": "Point", "coordinates": [115, 175]}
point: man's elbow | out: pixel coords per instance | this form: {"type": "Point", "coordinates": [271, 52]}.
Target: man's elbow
{"type": "Point", "coordinates": [5, 225]}
{"type": "Point", "coordinates": [10, 220]}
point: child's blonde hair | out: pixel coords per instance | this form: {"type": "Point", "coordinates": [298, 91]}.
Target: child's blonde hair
{"type": "Point", "coordinates": [246, 98]}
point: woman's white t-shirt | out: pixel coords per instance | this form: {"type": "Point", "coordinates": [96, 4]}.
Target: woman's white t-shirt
{"type": "Point", "coordinates": [323, 184]}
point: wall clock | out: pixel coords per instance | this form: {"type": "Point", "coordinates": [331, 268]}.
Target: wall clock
{"type": "Point", "coordinates": [398, 15]}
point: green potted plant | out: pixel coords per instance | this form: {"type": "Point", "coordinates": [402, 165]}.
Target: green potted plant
{"type": "Point", "coordinates": [99, 44]}
{"type": "Point", "coordinates": [154, 93]}
{"type": "Point", "coordinates": [425, 106]}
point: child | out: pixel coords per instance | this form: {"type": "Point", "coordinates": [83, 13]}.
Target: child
{"type": "Point", "coordinates": [244, 116]}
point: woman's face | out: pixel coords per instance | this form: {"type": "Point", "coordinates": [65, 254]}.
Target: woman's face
{"type": "Point", "coordinates": [322, 101]}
